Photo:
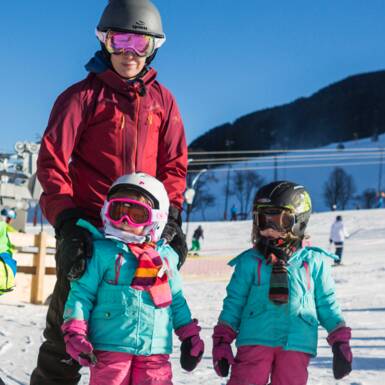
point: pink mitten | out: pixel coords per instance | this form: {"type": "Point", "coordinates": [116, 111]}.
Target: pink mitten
{"type": "Point", "coordinates": [192, 347]}
{"type": "Point", "coordinates": [77, 344]}
{"type": "Point", "coordinates": [223, 356]}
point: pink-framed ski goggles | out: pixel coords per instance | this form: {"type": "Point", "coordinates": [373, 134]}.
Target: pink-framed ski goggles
{"type": "Point", "coordinates": [118, 43]}
{"type": "Point", "coordinates": [135, 213]}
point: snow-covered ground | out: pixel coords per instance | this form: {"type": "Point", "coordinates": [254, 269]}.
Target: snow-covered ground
{"type": "Point", "coordinates": [360, 289]}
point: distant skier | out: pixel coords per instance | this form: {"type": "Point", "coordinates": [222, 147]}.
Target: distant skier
{"type": "Point", "coordinates": [233, 213]}
{"type": "Point", "coordinates": [337, 236]}
{"type": "Point", "coordinates": [380, 200]}
{"type": "Point", "coordinates": [277, 296]}
{"type": "Point", "coordinates": [8, 216]}
{"type": "Point", "coordinates": [198, 234]}
{"type": "Point", "coordinates": [7, 263]}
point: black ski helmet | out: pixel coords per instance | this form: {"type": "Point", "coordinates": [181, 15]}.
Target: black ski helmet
{"type": "Point", "coordinates": [286, 195]}
{"type": "Point", "coordinates": [137, 16]}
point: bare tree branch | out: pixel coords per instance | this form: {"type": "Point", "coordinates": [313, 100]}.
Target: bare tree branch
{"type": "Point", "coordinates": [339, 189]}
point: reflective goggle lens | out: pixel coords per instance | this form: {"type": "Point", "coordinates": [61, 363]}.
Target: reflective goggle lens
{"type": "Point", "coordinates": [275, 218]}
{"type": "Point", "coordinates": [124, 42]}
{"type": "Point", "coordinates": [136, 212]}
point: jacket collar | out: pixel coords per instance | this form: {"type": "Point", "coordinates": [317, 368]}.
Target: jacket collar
{"type": "Point", "coordinates": [99, 66]}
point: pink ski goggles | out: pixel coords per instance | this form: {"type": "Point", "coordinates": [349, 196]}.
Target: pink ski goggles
{"type": "Point", "coordinates": [135, 213]}
{"type": "Point", "coordinates": [118, 43]}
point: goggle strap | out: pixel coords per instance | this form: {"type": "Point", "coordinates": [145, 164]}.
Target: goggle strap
{"type": "Point", "coordinates": [159, 215]}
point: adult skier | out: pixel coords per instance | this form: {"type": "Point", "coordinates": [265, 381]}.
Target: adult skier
{"type": "Point", "coordinates": [337, 236]}
{"type": "Point", "coordinates": [118, 120]}
{"type": "Point", "coordinates": [197, 235]}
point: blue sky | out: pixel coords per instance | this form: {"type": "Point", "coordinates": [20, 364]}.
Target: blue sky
{"type": "Point", "coordinates": [222, 58]}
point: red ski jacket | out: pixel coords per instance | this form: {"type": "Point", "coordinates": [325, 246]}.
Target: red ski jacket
{"type": "Point", "coordinates": [102, 128]}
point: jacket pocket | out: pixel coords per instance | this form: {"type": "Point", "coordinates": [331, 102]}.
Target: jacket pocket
{"type": "Point", "coordinates": [254, 311]}
{"type": "Point", "coordinates": [108, 313]}
{"type": "Point", "coordinates": [308, 318]}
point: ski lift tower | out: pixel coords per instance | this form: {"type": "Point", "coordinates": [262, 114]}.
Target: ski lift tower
{"type": "Point", "coordinates": [16, 170]}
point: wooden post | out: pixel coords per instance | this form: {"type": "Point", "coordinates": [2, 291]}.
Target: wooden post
{"type": "Point", "coordinates": [37, 286]}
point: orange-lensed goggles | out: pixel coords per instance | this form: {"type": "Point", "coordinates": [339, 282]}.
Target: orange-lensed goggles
{"type": "Point", "coordinates": [274, 218]}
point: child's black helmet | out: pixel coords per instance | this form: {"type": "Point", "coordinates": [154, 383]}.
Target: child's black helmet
{"type": "Point", "coordinates": [137, 16]}
{"type": "Point", "coordinates": [289, 196]}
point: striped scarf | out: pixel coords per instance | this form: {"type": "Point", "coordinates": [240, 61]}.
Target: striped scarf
{"type": "Point", "coordinates": [277, 252]}
{"type": "Point", "coordinates": [151, 274]}
{"type": "Point", "coordinates": [279, 282]}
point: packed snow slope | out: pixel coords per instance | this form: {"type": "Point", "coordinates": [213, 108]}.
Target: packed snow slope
{"type": "Point", "coordinates": [360, 289]}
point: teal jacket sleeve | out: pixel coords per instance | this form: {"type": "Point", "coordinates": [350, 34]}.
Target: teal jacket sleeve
{"type": "Point", "coordinates": [181, 314]}
{"type": "Point", "coordinates": [238, 290]}
{"type": "Point", "coordinates": [83, 292]}
{"type": "Point", "coordinates": [328, 310]}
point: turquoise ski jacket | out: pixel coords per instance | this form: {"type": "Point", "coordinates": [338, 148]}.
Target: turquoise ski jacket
{"type": "Point", "coordinates": [293, 326]}
{"type": "Point", "coordinates": [120, 318]}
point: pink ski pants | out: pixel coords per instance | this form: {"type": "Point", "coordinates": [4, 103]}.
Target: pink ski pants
{"type": "Point", "coordinates": [115, 368]}
{"type": "Point", "coordinates": [254, 365]}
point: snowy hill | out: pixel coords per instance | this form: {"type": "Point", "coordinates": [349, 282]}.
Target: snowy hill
{"type": "Point", "coordinates": [360, 289]}
{"type": "Point", "coordinates": [345, 110]}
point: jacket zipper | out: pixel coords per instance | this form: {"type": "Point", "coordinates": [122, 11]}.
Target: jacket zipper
{"type": "Point", "coordinates": [123, 143]}
{"type": "Point", "coordinates": [134, 162]}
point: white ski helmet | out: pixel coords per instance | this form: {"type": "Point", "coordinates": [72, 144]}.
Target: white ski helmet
{"type": "Point", "coordinates": [152, 189]}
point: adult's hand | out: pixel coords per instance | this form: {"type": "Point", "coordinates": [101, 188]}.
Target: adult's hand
{"type": "Point", "coordinates": [173, 234]}
{"type": "Point", "coordinates": [74, 245]}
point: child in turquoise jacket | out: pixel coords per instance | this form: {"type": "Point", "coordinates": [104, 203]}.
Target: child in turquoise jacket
{"type": "Point", "coordinates": [278, 295]}
{"type": "Point", "coordinates": [119, 316]}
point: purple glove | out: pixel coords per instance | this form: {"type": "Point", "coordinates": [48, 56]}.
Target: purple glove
{"type": "Point", "coordinates": [223, 356]}
{"type": "Point", "coordinates": [192, 347]}
{"type": "Point", "coordinates": [342, 354]}
{"type": "Point", "coordinates": [77, 344]}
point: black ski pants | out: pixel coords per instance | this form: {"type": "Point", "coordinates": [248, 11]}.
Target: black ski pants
{"type": "Point", "coordinates": [54, 365]}
{"type": "Point", "coordinates": [339, 250]}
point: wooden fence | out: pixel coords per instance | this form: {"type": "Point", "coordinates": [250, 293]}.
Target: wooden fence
{"type": "Point", "coordinates": [35, 257]}
{"type": "Point", "coordinates": [41, 247]}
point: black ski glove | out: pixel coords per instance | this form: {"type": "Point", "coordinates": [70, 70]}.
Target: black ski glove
{"type": "Point", "coordinates": [74, 244]}
{"type": "Point", "coordinates": [173, 234]}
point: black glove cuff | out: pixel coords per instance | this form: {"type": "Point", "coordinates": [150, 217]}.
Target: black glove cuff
{"type": "Point", "coordinates": [66, 215]}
